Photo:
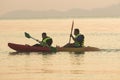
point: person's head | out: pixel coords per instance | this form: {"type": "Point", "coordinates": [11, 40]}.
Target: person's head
{"type": "Point", "coordinates": [76, 31]}
{"type": "Point", "coordinates": [44, 35]}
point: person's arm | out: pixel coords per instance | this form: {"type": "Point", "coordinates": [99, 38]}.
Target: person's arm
{"type": "Point", "coordinates": [72, 37]}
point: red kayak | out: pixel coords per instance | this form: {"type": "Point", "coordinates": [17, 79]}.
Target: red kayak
{"type": "Point", "coordinates": [27, 48]}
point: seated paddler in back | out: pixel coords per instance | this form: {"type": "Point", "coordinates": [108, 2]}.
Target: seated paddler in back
{"type": "Point", "coordinates": [78, 39]}
{"type": "Point", "coordinates": [46, 41]}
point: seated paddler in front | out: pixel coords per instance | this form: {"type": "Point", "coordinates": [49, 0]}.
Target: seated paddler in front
{"type": "Point", "coordinates": [46, 41]}
{"type": "Point", "coordinates": [78, 40]}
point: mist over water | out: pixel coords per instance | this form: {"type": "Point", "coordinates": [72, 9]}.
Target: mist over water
{"type": "Point", "coordinates": [103, 33]}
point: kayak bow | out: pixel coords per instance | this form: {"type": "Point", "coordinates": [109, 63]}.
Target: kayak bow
{"type": "Point", "coordinates": [27, 48]}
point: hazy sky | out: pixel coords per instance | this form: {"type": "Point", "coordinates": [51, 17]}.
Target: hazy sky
{"type": "Point", "coordinates": [38, 5]}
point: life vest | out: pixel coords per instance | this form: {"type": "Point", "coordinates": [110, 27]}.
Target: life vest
{"type": "Point", "coordinates": [44, 41]}
{"type": "Point", "coordinates": [79, 43]}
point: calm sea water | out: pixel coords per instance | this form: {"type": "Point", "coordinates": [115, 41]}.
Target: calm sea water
{"type": "Point", "coordinates": [103, 33]}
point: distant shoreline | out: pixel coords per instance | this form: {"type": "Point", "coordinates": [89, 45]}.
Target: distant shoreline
{"type": "Point", "coordinates": [58, 18]}
{"type": "Point", "coordinates": [107, 12]}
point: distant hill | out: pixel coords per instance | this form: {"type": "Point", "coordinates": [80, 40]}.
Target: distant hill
{"type": "Point", "coordinates": [111, 11]}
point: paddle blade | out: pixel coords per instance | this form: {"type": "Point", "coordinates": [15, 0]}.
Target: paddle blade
{"type": "Point", "coordinates": [27, 35]}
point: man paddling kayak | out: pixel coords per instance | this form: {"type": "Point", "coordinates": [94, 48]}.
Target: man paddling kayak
{"type": "Point", "coordinates": [78, 39]}
{"type": "Point", "coordinates": [46, 41]}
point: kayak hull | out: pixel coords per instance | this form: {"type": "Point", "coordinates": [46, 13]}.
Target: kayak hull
{"type": "Point", "coordinates": [83, 49]}
{"type": "Point", "coordinates": [27, 48]}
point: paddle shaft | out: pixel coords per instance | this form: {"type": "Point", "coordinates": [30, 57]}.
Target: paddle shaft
{"type": "Point", "coordinates": [39, 41]}
{"type": "Point", "coordinates": [29, 36]}
{"type": "Point", "coordinates": [71, 31]}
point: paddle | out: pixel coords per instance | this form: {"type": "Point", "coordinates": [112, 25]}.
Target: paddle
{"type": "Point", "coordinates": [27, 35]}
{"type": "Point", "coordinates": [71, 30]}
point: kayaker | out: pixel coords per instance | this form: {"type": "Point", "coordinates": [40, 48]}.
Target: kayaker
{"type": "Point", "coordinates": [78, 39]}
{"type": "Point", "coordinates": [46, 41]}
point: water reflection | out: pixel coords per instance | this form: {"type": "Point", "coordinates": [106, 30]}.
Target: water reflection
{"type": "Point", "coordinates": [28, 53]}
{"type": "Point", "coordinates": [77, 60]}
{"type": "Point", "coordinates": [19, 53]}
{"type": "Point", "coordinates": [70, 65]}
{"type": "Point", "coordinates": [77, 57]}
